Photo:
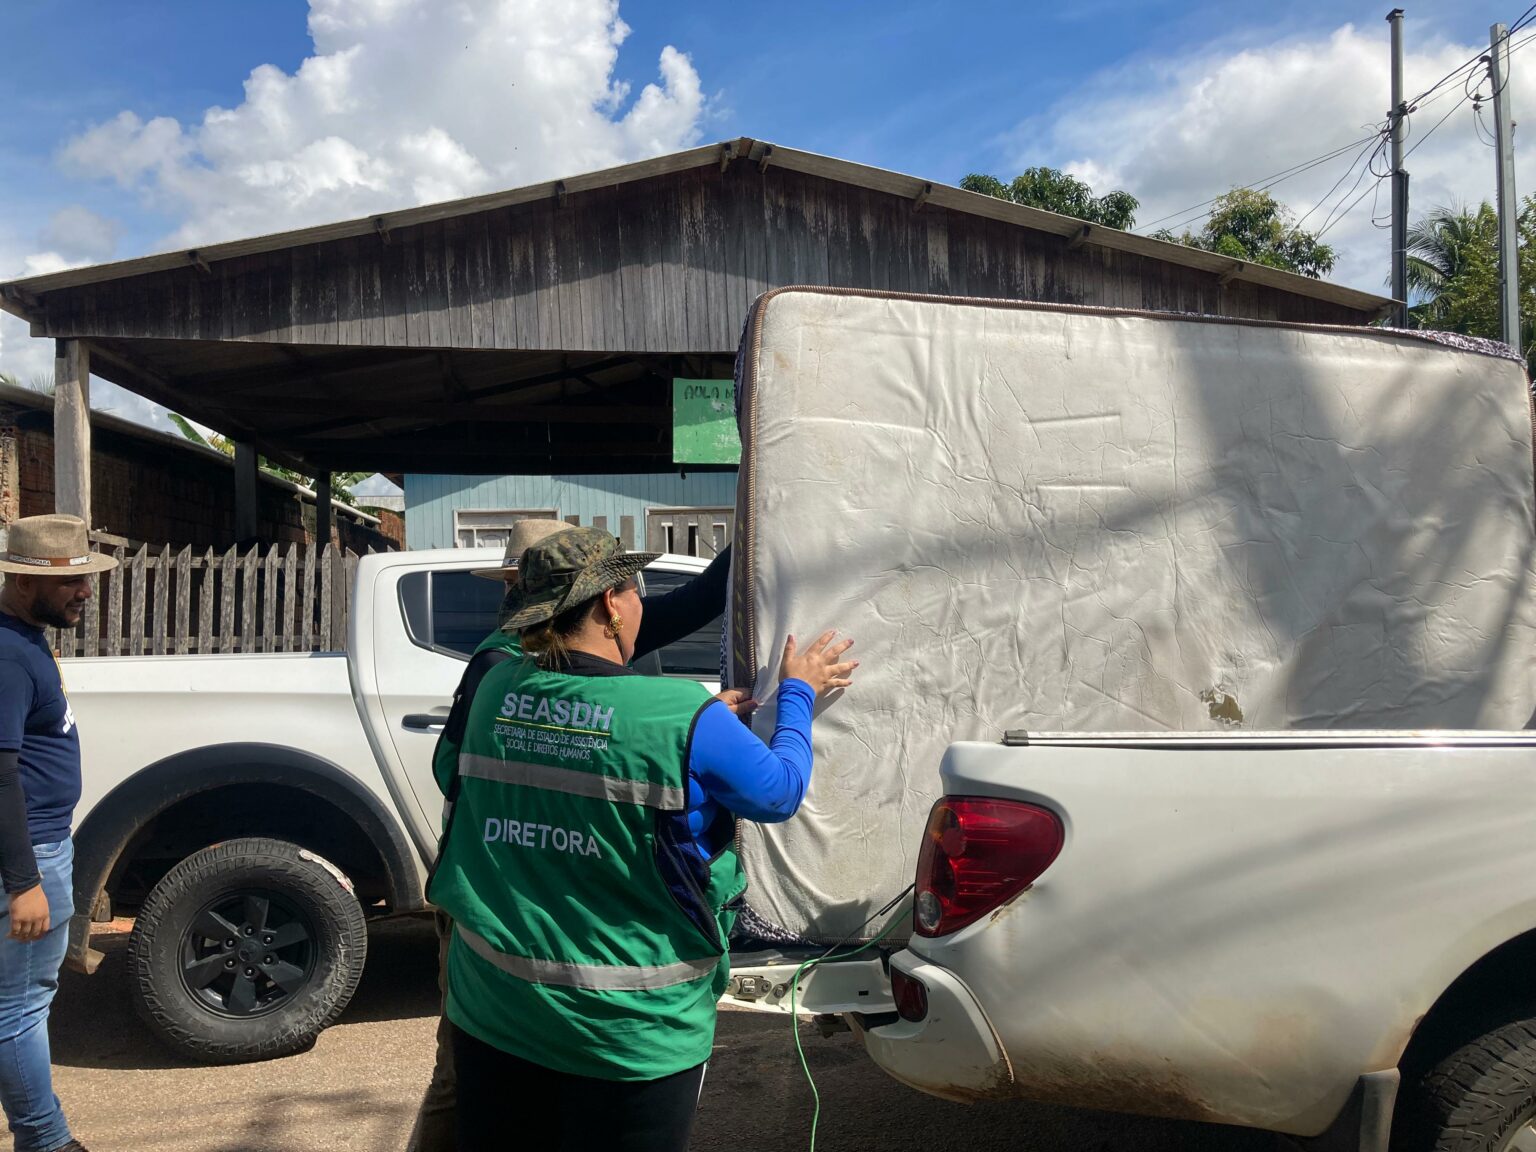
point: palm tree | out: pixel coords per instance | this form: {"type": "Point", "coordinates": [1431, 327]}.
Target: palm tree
{"type": "Point", "coordinates": [1443, 247]}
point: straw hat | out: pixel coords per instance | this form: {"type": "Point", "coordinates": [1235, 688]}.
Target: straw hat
{"type": "Point", "coordinates": [524, 535]}
{"type": "Point", "coordinates": [51, 546]}
{"type": "Point", "coordinates": [566, 569]}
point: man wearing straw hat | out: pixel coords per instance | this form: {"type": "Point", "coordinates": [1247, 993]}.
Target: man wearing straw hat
{"type": "Point", "coordinates": [667, 618]}
{"type": "Point", "coordinates": [48, 565]}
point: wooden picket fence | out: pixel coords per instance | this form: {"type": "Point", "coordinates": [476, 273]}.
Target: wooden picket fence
{"type": "Point", "coordinates": [158, 601]}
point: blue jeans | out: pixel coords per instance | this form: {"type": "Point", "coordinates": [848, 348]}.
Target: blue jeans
{"type": "Point", "coordinates": [29, 977]}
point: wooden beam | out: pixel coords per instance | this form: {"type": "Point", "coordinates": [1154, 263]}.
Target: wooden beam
{"type": "Point", "coordinates": [275, 375]}
{"type": "Point", "coordinates": [485, 462]}
{"type": "Point", "coordinates": [435, 414]}
{"type": "Point", "coordinates": [452, 385]}
{"type": "Point", "coordinates": [72, 430]}
{"type": "Point", "coordinates": [324, 451]}
{"type": "Point", "coordinates": [323, 519]}
{"type": "Point", "coordinates": [246, 522]}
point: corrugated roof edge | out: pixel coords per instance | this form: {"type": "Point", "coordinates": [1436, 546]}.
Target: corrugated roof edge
{"type": "Point", "coordinates": [19, 296]}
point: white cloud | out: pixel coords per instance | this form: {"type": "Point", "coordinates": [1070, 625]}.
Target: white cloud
{"type": "Point", "coordinates": [402, 102]}
{"type": "Point", "coordinates": [1176, 132]}
{"type": "Point", "coordinates": [77, 233]}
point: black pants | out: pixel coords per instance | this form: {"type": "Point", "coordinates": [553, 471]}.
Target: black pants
{"type": "Point", "coordinates": [507, 1103]}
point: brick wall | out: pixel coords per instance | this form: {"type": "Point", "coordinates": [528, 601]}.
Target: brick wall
{"type": "Point", "coordinates": [148, 490]}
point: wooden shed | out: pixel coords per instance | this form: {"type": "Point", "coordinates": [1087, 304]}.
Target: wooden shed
{"type": "Point", "coordinates": [538, 330]}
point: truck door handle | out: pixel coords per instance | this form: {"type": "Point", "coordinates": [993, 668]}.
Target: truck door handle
{"type": "Point", "coordinates": [423, 721]}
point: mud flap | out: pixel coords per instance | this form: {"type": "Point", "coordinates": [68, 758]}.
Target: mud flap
{"type": "Point", "coordinates": [1365, 1125]}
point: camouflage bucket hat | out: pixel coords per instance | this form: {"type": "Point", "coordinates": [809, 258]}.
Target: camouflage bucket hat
{"type": "Point", "coordinates": [566, 569]}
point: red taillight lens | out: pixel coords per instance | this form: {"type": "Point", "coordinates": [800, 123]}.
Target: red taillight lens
{"type": "Point", "coordinates": [979, 853]}
{"type": "Point", "coordinates": [910, 994]}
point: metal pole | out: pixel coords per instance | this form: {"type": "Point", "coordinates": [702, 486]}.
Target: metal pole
{"type": "Point", "coordinates": [1509, 208]}
{"type": "Point", "coordinates": [1400, 178]}
{"type": "Point", "coordinates": [1397, 117]}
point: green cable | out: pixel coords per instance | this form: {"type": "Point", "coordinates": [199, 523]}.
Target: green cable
{"type": "Point", "coordinates": [794, 1020]}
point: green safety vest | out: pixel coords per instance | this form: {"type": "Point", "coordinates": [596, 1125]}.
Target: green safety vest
{"type": "Point", "coordinates": [445, 753]}
{"type": "Point", "coordinates": [584, 941]}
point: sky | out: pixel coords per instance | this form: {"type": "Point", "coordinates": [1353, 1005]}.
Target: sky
{"type": "Point", "coordinates": [134, 128]}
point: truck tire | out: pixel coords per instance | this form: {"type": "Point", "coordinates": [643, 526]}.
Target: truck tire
{"type": "Point", "coordinates": [246, 951]}
{"type": "Point", "coordinates": [1480, 1098]}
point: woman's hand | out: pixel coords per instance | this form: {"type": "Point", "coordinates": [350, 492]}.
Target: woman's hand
{"type": "Point", "coordinates": [738, 701]}
{"type": "Point", "coordinates": [821, 665]}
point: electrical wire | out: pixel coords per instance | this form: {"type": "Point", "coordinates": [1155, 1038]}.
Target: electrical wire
{"type": "Point", "coordinates": [1268, 181]}
{"type": "Point", "coordinates": [794, 988]}
{"type": "Point", "coordinates": [1520, 22]}
{"type": "Point", "coordinates": [1381, 138]}
{"type": "Point", "coordinates": [1324, 199]}
{"type": "Point", "coordinates": [1419, 143]}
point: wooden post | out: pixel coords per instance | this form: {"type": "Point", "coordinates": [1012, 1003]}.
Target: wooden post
{"type": "Point", "coordinates": [290, 599]}
{"type": "Point", "coordinates": [227, 600]}
{"type": "Point", "coordinates": [323, 509]}
{"type": "Point", "coordinates": [136, 601]}
{"type": "Point", "coordinates": [245, 494]}
{"type": "Point", "coordinates": [160, 618]}
{"type": "Point", "coordinates": [250, 626]}
{"type": "Point", "coordinates": [72, 429]}
{"type": "Point", "coordinates": [269, 601]}
{"type": "Point", "coordinates": [205, 593]}
{"type": "Point", "coordinates": [115, 604]}
{"type": "Point", "coordinates": [183, 599]}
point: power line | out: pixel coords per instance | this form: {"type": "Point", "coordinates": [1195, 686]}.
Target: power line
{"type": "Point", "coordinates": [1379, 144]}
{"type": "Point", "coordinates": [1454, 108]}
{"type": "Point", "coordinates": [1323, 231]}
{"type": "Point", "coordinates": [1520, 22]}
{"type": "Point", "coordinates": [1379, 138]}
{"type": "Point", "coordinates": [1271, 180]}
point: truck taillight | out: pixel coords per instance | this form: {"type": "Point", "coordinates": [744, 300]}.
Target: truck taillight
{"type": "Point", "coordinates": [910, 994]}
{"type": "Point", "coordinates": [979, 853]}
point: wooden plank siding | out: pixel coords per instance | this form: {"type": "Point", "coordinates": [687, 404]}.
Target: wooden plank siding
{"type": "Point", "coordinates": [668, 264]}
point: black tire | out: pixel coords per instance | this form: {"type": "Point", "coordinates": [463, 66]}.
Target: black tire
{"type": "Point", "coordinates": [1480, 1098]}
{"type": "Point", "coordinates": [247, 951]}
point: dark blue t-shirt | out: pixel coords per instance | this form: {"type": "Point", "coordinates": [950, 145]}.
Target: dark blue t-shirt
{"type": "Point", "coordinates": [36, 721]}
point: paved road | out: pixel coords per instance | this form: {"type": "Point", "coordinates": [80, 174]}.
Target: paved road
{"type": "Point", "coordinates": [357, 1089]}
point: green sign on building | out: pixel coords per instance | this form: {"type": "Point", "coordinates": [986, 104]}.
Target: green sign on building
{"type": "Point", "coordinates": [704, 422]}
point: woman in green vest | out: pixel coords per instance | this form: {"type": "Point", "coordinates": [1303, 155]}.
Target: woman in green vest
{"type": "Point", "coordinates": [590, 865]}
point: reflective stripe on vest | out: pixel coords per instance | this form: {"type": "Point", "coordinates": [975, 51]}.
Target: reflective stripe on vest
{"type": "Point", "coordinates": [573, 782]}
{"type": "Point", "coordinates": [593, 977]}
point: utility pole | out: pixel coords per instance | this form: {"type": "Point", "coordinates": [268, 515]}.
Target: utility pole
{"type": "Point", "coordinates": [1397, 118]}
{"type": "Point", "coordinates": [1509, 210]}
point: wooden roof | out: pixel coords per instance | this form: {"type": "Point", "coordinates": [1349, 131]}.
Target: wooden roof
{"type": "Point", "coordinates": [538, 329]}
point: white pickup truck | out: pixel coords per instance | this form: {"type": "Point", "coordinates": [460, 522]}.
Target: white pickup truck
{"type": "Point", "coordinates": [1267, 929]}
{"type": "Point", "coordinates": [254, 811]}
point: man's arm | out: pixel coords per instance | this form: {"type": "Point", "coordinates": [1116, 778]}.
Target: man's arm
{"type": "Point", "coordinates": [18, 866]}
{"type": "Point", "coordinates": [686, 609]}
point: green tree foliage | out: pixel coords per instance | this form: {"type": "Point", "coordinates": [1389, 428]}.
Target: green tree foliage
{"type": "Point", "coordinates": [1453, 272]}
{"type": "Point", "coordinates": [1055, 191]}
{"type": "Point", "coordinates": [1250, 225]}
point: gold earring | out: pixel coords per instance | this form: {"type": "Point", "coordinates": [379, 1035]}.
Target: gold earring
{"type": "Point", "coordinates": [615, 626]}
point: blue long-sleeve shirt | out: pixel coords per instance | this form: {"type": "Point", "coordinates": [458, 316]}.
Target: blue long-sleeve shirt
{"type": "Point", "coordinates": [730, 768]}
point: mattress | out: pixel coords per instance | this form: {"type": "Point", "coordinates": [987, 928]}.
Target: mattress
{"type": "Point", "coordinates": [1054, 518]}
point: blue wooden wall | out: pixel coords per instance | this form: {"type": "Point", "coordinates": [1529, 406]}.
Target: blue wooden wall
{"type": "Point", "coordinates": [430, 500]}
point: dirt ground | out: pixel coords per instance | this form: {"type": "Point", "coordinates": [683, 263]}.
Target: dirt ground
{"type": "Point", "coordinates": [358, 1087]}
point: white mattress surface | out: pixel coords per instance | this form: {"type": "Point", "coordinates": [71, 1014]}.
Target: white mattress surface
{"type": "Point", "coordinates": [1066, 519]}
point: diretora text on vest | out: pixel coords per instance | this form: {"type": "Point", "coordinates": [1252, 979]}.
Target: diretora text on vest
{"type": "Point", "coordinates": [530, 835]}
{"type": "Point", "coordinates": [577, 714]}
